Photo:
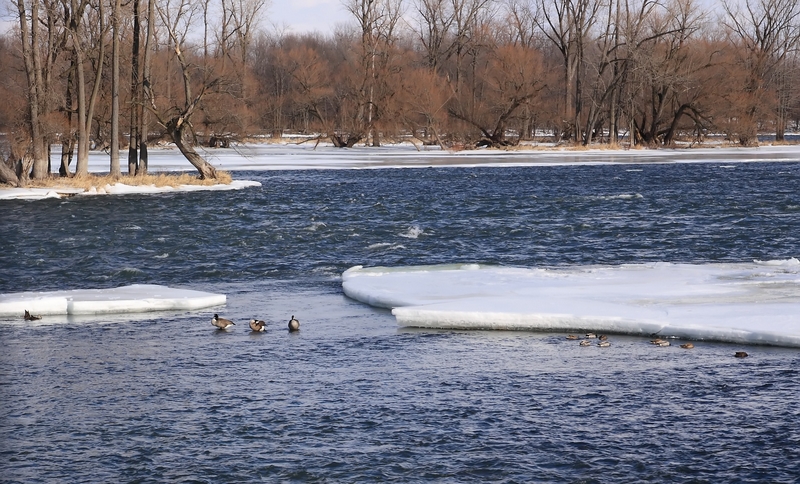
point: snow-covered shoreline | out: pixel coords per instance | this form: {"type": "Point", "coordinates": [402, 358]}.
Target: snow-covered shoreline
{"type": "Point", "coordinates": [308, 156]}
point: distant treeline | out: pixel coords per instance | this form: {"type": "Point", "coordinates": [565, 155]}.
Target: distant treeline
{"type": "Point", "coordinates": [100, 73]}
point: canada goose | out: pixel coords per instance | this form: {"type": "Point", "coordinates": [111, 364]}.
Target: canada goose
{"type": "Point", "coordinates": [221, 323]}
{"type": "Point", "coordinates": [687, 346]}
{"type": "Point", "coordinates": [571, 336]}
{"type": "Point", "coordinates": [585, 342]}
{"type": "Point", "coordinates": [603, 344]}
{"type": "Point", "coordinates": [31, 317]}
{"type": "Point", "coordinates": [294, 325]}
{"type": "Point", "coordinates": [740, 354]}
{"type": "Point", "coordinates": [258, 325]}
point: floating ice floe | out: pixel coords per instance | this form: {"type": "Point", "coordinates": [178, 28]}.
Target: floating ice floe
{"type": "Point", "coordinates": [135, 298]}
{"type": "Point", "coordinates": [754, 303]}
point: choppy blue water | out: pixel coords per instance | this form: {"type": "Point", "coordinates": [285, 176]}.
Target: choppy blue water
{"type": "Point", "coordinates": [165, 397]}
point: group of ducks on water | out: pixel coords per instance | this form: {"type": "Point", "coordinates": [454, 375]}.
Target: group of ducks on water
{"type": "Point", "coordinates": [256, 325]}
{"type": "Point", "coordinates": [603, 343]}
{"type": "Point", "coordinates": [221, 323]}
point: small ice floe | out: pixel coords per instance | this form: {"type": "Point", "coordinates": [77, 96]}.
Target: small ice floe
{"type": "Point", "coordinates": [135, 298]}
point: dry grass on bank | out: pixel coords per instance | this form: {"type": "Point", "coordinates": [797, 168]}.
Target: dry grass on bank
{"type": "Point", "coordinates": [159, 180]}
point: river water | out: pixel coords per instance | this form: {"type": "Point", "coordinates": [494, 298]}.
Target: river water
{"type": "Point", "coordinates": [352, 397]}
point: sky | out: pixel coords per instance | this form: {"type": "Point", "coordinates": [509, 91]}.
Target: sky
{"type": "Point", "coordinates": [307, 15]}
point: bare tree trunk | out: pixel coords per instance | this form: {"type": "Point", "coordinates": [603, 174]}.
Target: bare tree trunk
{"type": "Point", "coordinates": [82, 164]}
{"type": "Point", "coordinates": [67, 139]}
{"type": "Point", "coordinates": [7, 175]}
{"type": "Point", "coordinates": [133, 140]}
{"type": "Point", "coordinates": [176, 130]}
{"type": "Point", "coordinates": [177, 124]}
{"type": "Point", "coordinates": [115, 168]}
{"type": "Point", "coordinates": [144, 92]}
{"type": "Point", "coordinates": [30, 55]}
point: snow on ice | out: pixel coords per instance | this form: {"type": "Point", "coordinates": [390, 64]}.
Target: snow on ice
{"type": "Point", "coordinates": [755, 303]}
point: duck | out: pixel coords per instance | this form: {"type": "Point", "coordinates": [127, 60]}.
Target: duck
{"type": "Point", "coordinates": [258, 325]}
{"type": "Point", "coordinates": [602, 337]}
{"type": "Point", "coordinates": [221, 323]}
{"type": "Point", "coordinates": [591, 335]}
{"type": "Point", "coordinates": [31, 317]}
{"type": "Point", "coordinates": [603, 344]}
{"type": "Point", "coordinates": [294, 325]}
{"type": "Point", "coordinates": [740, 354]}
{"type": "Point", "coordinates": [658, 342]}
{"type": "Point", "coordinates": [585, 342]}
{"type": "Point", "coordinates": [687, 346]}
{"type": "Point", "coordinates": [571, 336]}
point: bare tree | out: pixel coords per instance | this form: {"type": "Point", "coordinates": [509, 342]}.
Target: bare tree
{"type": "Point", "coordinates": [510, 79]}
{"type": "Point", "coordinates": [33, 69]}
{"type": "Point", "coordinates": [86, 105]}
{"type": "Point", "coordinates": [567, 24]}
{"type": "Point", "coordinates": [434, 19]}
{"type": "Point", "coordinates": [177, 119]}
{"type": "Point", "coordinates": [115, 34]}
{"type": "Point", "coordinates": [766, 31]}
{"type": "Point", "coordinates": [377, 22]}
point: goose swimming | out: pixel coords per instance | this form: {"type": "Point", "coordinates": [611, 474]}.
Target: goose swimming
{"type": "Point", "coordinates": [31, 317]}
{"type": "Point", "coordinates": [221, 323]}
{"type": "Point", "coordinates": [294, 325]}
{"type": "Point", "coordinates": [258, 325]}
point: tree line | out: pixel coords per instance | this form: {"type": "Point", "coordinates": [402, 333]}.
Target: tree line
{"type": "Point", "coordinates": [90, 74]}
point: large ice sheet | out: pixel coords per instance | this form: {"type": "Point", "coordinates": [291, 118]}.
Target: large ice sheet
{"type": "Point", "coordinates": [126, 299]}
{"type": "Point", "coordinates": [756, 303]}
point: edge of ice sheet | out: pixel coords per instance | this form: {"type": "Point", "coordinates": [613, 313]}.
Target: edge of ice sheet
{"type": "Point", "coordinates": [753, 303]}
{"type": "Point", "coordinates": [135, 298]}
{"type": "Point", "coordinates": [116, 189]}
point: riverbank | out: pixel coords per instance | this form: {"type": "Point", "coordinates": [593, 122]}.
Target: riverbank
{"type": "Point", "coordinates": [290, 155]}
